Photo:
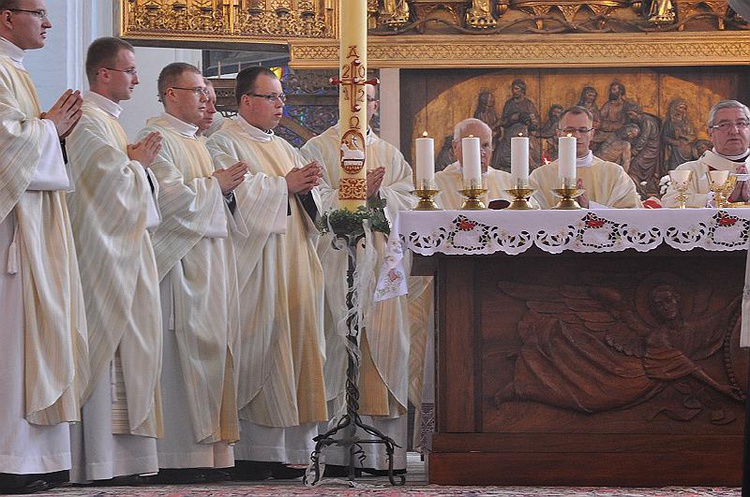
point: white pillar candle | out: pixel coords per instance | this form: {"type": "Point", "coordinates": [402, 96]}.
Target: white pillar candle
{"type": "Point", "coordinates": [471, 162]}
{"type": "Point", "coordinates": [519, 159]}
{"type": "Point", "coordinates": [425, 162]}
{"type": "Point", "coordinates": [566, 164]}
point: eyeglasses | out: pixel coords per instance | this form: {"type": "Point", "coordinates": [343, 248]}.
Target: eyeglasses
{"type": "Point", "coordinates": [130, 72]}
{"type": "Point", "coordinates": [727, 125]}
{"type": "Point", "coordinates": [198, 90]}
{"type": "Point", "coordinates": [271, 97]}
{"type": "Point", "coordinates": [573, 131]}
{"type": "Point", "coordinates": [39, 14]}
{"type": "Point", "coordinates": [372, 99]}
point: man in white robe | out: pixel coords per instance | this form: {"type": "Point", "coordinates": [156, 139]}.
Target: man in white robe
{"type": "Point", "coordinates": [110, 210]}
{"type": "Point", "coordinates": [450, 180]}
{"type": "Point", "coordinates": [43, 358]}
{"type": "Point", "coordinates": [606, 184]}
{"type": "Point", "coordinates": [198, 286]}
{"type": "Point", "coordinates": [386, 337]}
{"type": "Point", "coordinates": [281, 392]}
{"type": "Point", "coordinates": [729, 131]}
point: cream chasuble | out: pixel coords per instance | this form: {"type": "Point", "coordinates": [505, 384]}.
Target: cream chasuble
{"type": "Point", "coordinates": [118, 270]}
{"type": "Point", "coordinates": [280, 281]}
{"type": "Point", "coordinates": [450, 180]}
{"type": "Point", "coordinates": [42, 252]}
{"type": "Point", "coordinates": [385, 343]}
{"type": "Point", "coordinates": [698, 187]}
{"type": "Point", "coordinates": [192, 251]}
{"type": "Point", "coordinates": [606, 183]}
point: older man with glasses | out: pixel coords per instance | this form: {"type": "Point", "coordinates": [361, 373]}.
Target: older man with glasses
{"type": "Point", "coordinates": [606, 184]}
{"type": "Point", "coordinates": [729, 131]}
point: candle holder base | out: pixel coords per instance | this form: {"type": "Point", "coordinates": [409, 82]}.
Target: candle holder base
{"type": "Point", "coordinates": [568, 198]}
{"type": "Point", "coordinates": [521, 199]}
{"type": "Point", "coordinates": [472, 202]}
{"type": "Point", "coordinates": [426, 202]}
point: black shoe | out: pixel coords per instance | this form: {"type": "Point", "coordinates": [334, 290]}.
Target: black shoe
{"type": "Point", "coordinates": [382, 472]}
{"type": "Point", "coordinates": [186, 476]}
{"type": "Point", "coordinates": [280, 471]}
{"type": "Point", "coordinates": [250, 471]}
{"type": "Point", "coordinates": [29, 484]}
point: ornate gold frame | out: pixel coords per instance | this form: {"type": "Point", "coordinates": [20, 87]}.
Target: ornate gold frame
{"type": "Point", "coordinates": [674, 49]}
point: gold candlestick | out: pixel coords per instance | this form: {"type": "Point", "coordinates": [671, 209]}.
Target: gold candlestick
{"type": "Point", "coordinates": [568, 196]}
{"type": "Point", "coordinates": [521, 199]}
{"type": "Point", "coordinates": [426, 202]}
{"type": "Point", "coordinates": [472, 201]}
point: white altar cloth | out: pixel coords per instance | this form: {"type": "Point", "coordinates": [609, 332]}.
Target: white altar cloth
{"type": "Point", "coordinates": [484, 232]}
{"type": "Point", "coordinates": [554, 231]}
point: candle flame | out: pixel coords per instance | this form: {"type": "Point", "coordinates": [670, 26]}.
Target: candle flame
{"type": "Point", "coordinates": [570, 135]}
{"type": "Point", "coordinates": [424, 134]}
{"type": "Point", "coordinates": [471, 136]}
{"type": "Point", "coordinates": [520, 134]}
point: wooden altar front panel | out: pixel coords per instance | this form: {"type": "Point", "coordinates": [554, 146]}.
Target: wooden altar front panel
{"type": "Point", "coordinates": [654, 426]}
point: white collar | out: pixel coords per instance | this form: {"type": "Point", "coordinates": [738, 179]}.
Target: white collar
{"type": "Point", "coordinates": [103, 103]}
{"type": "Point", "coordinates": [718, 161]}
{"type": "Point", "coordinates": [735, 158]}
{"type": "Point", "coordinates": [11, 50]}
{"type": "Point", "coordinates": [255, 133]}
{"type": "Point", "coordinates": [586, 160]}
{"type": "Point", "coordinates": [185, 129]}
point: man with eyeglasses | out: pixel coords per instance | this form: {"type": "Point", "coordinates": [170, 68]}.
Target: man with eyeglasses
{"type": "Point", "coordinates": [43, 359]}
{"type": "Point", "coordinates": [111, 210]}
{"type": "Point", "coordinates": [198, 286]}
{"type": "Point", "coordinates": [384, 378]}
{"type": "Point", "coordinates": [281, 392]}
{"type": "Point", "coordinates": [606, 184]}
{"type": "Point", "coordinates": [729, 131]}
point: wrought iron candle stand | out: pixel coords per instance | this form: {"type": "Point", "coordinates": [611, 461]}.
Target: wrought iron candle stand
{"type": "Point", "coordinates": [349, 422]}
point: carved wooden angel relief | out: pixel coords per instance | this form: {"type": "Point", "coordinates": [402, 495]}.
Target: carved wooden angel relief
{"type": "Point", "coordinates": [653, 340]}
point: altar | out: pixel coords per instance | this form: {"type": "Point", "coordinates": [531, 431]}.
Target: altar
{"type": "Point", "coordinates": [590, 347]}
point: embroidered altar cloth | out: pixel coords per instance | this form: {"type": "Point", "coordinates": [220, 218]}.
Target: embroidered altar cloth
{"type": "Point", "coordinates": [514, 232]}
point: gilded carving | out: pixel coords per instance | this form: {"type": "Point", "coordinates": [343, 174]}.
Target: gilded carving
{"type": "Point", "coordinates": [480, 15]}
{"type": "Point", "coordinates": [227, 20]}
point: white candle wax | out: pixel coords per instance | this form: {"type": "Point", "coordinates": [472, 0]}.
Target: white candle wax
{"type": "Point", "coordinates": [425, 163]}
{"type": "Point", "coordinates": [519, 159]}
{"type": "Point", "coordinates": [566, 150]}
{"type": "Point", "coordinates": [471, 162]}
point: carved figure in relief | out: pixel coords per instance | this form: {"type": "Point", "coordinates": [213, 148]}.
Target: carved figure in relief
{"type": "Point", "coordinates": [548, 133]}
{"type": "Point", "coordinates": [646, 161]}
{"type": "Point", "coordinates": [660, 11]}
{"type": "Point", "coordinates": [617, 147]}
{"type": "Point", "coordinates": [678, 135]}
{"type": "Point", "coordinates": [395, 12]}
{"type": "Point", "coordinates": [520, 117]}
{"type": "Point", "coordinates": [612, 114]}
{"type": "Point", "coordinates": [486, 112]}
{"type": "Point", "coordinates": [479, 14]}
{"type": "Point", "coordinates": [591, 349]}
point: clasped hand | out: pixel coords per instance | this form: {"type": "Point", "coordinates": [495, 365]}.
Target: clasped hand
{"type": "Point", "coordinates": [66, 112]}
{"type": "Point", "coordinates": [303, 179]}
{"type": "Point", "coordinates": [231, 177]}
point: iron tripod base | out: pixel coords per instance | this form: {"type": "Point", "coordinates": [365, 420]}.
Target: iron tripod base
{"type": "Point", "coordinates": [351, 421]}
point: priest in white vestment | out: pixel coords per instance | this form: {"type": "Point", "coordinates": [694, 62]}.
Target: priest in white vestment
{"type": "Point", "coordinates": [110, 210]}
{"type": "Point", "coordinates": [199, 298]}
{"type": "Point", "coordinates": [450, 180]}
{"type": "Point", "coordinates": [729, 131]}
{"type": "Point", "coordinates": [385, 340]}
{"type": "Point", "coordinates": [606, 184]}
{"type": "Point", "coordinates": [281, 392]}
{"type": "Point", "coordinates": [43, 358]}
